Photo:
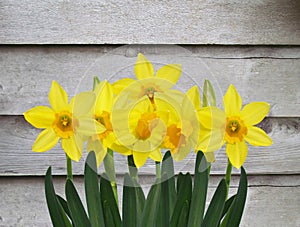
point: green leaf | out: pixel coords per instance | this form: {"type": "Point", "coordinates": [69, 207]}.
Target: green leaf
{"type": "Point", "coordinates": [58, 216]}
{"type": "Point", "coordinates": [209, 97]}
{"type": "Point", "coordinates": [66, 219]}
{"type": "Point", "coordinates": [233, 218]}
{"type": "Point", "coordinates": [151, 206]}
{"type": "Point", "coordinates": [168, 169]}
{"type": "Point", "coordinates": [92, 194]}
{"type": "Point", "coordinates": [64, 205]}
{"type": "Point", "coordinates": [96, 82]}
{"type": "Point", "coordinates": [227, 205]}
{"type": "Point", "coordinates": [133, 201]}
{"type": "Point", "coordinates": [183, 218]}
{"type": "Point", "coordinates": [109, 165]}
{"type": "Point", "coordinates": [140, 199]}
{"type": "Point", "coordinates": [168, 196]}
{"type": "Point", "coordinates": [227, 216]}
{"type": "Point", "coordinates": [180, 179]}
{"type": "Point", "coordinates": [199, 192]}
{"type": "Point", "coordinates": [184, 195]}
{"type": "Point", "coordinates": [164, 212]}
{"type": "Point", "coordinates": [78, 213]}
{"type": "Point", "coordinates": [109, 218]}
{"type": "Point", "coordinates": [215, 209]}
{"type": "Point", "coordinates": [131, 166]}
{"type": "Point", "coordinates": [129, 203]}
{"type": "Point", "coordinates": [107, 197]}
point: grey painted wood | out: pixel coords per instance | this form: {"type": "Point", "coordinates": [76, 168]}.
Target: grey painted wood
{"type": "Point", "coordinates": [17, 159]}
{"type": "Point", "coordinates": [272, 201]}
{"type": "Point", "coordinates": [153, 22]}
{"type": "Point", "coordinates": [272, 72]}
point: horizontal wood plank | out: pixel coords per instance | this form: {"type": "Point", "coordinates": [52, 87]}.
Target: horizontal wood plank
{"type": "Point", "coordinates": [150, 22]}
{"type": "Point", "coordinates": [271, 201]}
{"type": "Point", "coordinates": [272, 72]}
{"type": "Point", "coordinates": [17, 159]}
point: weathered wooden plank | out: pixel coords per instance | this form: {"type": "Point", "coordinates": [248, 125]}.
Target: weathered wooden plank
{"type": "Point", "coordinates": [155, 22]}
{"type": "Point", "coordinates": [17, 159]}
{"type": "Point", "coordinates": [271, 201]}
{"type": "Point", "coordinates": [273, 73]}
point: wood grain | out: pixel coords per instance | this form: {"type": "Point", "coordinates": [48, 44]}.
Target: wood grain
{"type": "Point", "coordinates": [17, 159]}
{"type": "Point", "coordinates": [272, 72]}
{"type": "Point", "coordinates": [155, 22]}
{"type": "Point", "coordinates": [273, 201]}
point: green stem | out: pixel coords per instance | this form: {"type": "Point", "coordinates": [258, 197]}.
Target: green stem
{"type": "Point", "coordinates": [228, 176]}
{"type": "Point", "coordinates": [133, 171]}
{"type": "Point", "coordinates": [109, 167]}
{"type": "Point", "coordinates": [158, 170]}
{"type": "Point", "coordinates": [69, 169]}
{"type": "Point", "coordinates": [208, 170]}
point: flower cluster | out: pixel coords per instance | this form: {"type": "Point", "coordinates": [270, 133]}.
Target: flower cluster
{"type": "Point", "coordinates": [145, 116]}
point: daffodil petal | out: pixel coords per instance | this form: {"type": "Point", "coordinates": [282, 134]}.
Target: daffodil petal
{"type": "Point", "coordinates": [237, 153]}
{"type": "Point", "coordinates": [189, 127]}
{"type": "Point", "coordinates": [121, 84]}
{"type": "Point", "coordinates": [257, 137]}
{"type": "Point", "coordinates": [169, 72]}
{"type": "Point", "coordinates": [210, 156]}
{"type": "Point", "coordinates": [168, 95]}
{"type": "Point", "coordinates": [143, 105]}
{"type": "Point", "coordinates": [190, 112]}
{"type": "Point", "coordinates": [140, 158]}
{"type": "Point", "coordinates": [142, 146]}
{"type": "Point", "coordinates": [104, 98]}
{"type": "Point", "coordinates": [98, 148]}
{"type": "Point", "coordinates": [212, 117]}
{"type": "Point", "coordinates": [143, 68]}
{"type": "Point", "coordinates": [109, 140]}
{"type": "Point", "coordinates": [157, 134]}
{"type": "Point", "coordinates": [58, 97]}
{"type": "Point", "coordinates": [46, 140]}
{"type": "Point", "coordinates": [125, 138]}
{"type": "Point", "coordinates": [73, 147]}
{"type": "Point", "coordinates": [232, 101]}
{"type": "Point", "coordinates": [210, 141]}
{"type": "Point", "coordinates": [40, 116]}
{"type": "Point", "coordinates": [89, 127]}
{"type": "Point", "coordinates": [194, 96]}
{"type": "Point", "coordinates": [254, 112]}
{"type": "Point", "coordinates": [181, 153]}
{"type": "Point", "coordinates": [121, 149]}
{"type": "Point", "coordinates": [168, 106]}
{"type": "Point", "coordinates": [82, 103]}
{"type": "Point", "coordinates": [156, 155]}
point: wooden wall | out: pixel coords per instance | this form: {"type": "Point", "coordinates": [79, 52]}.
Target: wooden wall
{"type": "Point", "coordinates": [253, 44]}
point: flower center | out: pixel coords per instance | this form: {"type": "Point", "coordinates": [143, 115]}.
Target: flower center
{"type": "Point", "coordinates": [64, 125]}
{"type": "Point", "coordinates": [235, 130]}
{"type": "Point", "coordinates": [174, 138]}
{"type": "Point", "coordinates": [150, 92]}
{"type": "Point", "coordinates": [145, 125]}
{"type": "Point", "coordinates": [104, 119]}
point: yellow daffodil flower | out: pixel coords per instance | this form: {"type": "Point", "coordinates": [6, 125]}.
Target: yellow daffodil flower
{"type": "Point", "coordinates": [235, 127]}
{"type": "Point", "coordinates": [182, 124]}
{"type": "Point", "coordinates": [148, 84]}
{"type": "Point", "coordinates": [138, 129]}
{"type": "Point", "coordinates": [69, 122]}
{"type": "Point", "coordinates": [102, 114]}
{"type": "Point", "coordinates": [204, 140]}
